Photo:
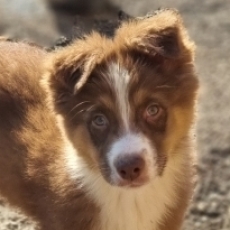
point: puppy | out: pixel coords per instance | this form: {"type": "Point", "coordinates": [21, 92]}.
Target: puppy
{"type": "Point", "coordinates": [97, 135]}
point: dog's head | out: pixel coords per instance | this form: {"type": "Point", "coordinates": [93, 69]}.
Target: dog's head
{"type": "Point", "coordinates": [128, 102]}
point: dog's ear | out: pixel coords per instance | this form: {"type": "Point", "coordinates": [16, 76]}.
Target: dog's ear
{"type": "Point", "coordinates": [161, 34]}
{"type": "Point", "coordinates": [68, 69]}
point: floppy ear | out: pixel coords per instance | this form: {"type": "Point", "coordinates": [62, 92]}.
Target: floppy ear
{"type": "Point", "coordinates": [68, 69]}
{"type": "Point", "coordinates": [162, 34]}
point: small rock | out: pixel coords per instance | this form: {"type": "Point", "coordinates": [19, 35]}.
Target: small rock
{"type": "Point", "coordinates": [201, 206]}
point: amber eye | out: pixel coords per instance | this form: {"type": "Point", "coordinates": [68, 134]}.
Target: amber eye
{"type": "Point", "coordinates": [100, 121]}
{"type": "Point", "coordinates": [152, 110]}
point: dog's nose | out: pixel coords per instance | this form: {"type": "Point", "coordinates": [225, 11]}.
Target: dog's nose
{"type": "Point", "coordinates": [130, 167]}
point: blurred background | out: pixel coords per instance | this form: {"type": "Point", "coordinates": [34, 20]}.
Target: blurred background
{"type": "Point", "coordinates": [208, 23]}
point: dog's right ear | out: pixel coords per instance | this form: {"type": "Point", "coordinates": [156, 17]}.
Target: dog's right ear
{"type": "Point", "coordinates": [162, 34]}
{"type": "Point", "coordinates": [68, 69]}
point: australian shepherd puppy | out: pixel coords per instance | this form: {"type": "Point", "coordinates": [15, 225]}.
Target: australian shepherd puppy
{"type": "Point", "coordinates": [97, 135]}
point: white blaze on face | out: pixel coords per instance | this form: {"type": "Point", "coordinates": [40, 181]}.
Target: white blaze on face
{"type": "Point", "coordinates": [120, 79]}
{"type": "Point", "coordinates": [129, 144]}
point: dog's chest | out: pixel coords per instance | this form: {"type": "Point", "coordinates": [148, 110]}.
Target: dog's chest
{"type": "Point", "coordinates": [138, 209]}
{"type": "Point", "coordinates": [128, 212]}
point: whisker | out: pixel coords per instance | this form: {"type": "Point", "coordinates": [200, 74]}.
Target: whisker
{"type": "Point", "coordinates": [165, 87]}
{"type": "Point", "coordinates": [81, 111]}
{"type": "Point", "coordinates": [90, 108]}
{"type": "Point", "coordinates": [79, 104]}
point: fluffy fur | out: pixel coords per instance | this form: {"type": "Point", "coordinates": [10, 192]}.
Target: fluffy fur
{"type": "Point", "coordinates": [97, 135]}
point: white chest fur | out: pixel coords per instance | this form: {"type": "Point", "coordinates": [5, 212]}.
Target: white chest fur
{"type": "Point", "coordinates": [132, 209]}
{"type": "Point", "coordinates": [136, 210]}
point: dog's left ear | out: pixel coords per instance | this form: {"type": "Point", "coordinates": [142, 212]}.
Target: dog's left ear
{"type": "Point", "coordinates": [67, 70]}
{"type": "Point", "coordinates": [162, 34]}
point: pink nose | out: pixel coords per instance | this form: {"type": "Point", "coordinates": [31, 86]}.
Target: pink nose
{"type": "Point", "coordinates": [130, 167]}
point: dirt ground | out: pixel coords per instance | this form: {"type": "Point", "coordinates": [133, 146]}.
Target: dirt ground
{"type": "Point", "coordinates": [209, 25]}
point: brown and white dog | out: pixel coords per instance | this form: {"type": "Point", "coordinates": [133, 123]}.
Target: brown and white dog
{"type": "Point", "coordinates": [99, 137]}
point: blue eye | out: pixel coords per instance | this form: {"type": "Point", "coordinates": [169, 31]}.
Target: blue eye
{"type": "Point", "coordinates": [99, 121]}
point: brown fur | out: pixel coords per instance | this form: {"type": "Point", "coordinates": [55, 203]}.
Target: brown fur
{"type": "Point", "coordinates": [33, 175]}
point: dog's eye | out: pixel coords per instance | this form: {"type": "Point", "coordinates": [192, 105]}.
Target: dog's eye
{"type": "Point", "coordinates": [152, 112]}
{"type": "Point", "coordinates": [100, 121]}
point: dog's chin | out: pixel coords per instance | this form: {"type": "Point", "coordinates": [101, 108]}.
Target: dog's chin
{"type": "Point", "coordinates": [130, 184]}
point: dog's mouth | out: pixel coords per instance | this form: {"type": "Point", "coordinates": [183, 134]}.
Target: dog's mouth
{"type": "Point", "coordinates": [137, 183]}
{"type": "Point", "coordinates": [134, 184]}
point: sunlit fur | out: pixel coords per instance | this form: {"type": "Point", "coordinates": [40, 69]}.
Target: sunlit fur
{"type": "Point", "coordinates": [59, 166]}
